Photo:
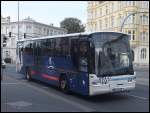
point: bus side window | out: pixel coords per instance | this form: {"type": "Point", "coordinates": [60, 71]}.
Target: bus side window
{"type": "Point", "coordinates": [53, 47]}
{"type": "Point", "coordinates": [48, 47]}
{"type": "Point", "coordinates": [28, 48]}
{"type": "Point", "coordinates": [64, 44]}
{"type": "Point", "coordinates": [74, 52]}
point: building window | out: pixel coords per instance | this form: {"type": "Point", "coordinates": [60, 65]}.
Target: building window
{"type": "Point", "coordinates": [141, 19]}
{"type": "Point", "coordinates": [143, 36]}
{"type": "Point", "coordinates": [95, 26]}
{"type": "Point", "coordinates": [96, 13]}
{"type": "Point", "coordinates": [112, 7]}
{"type": "Point", "coordinates": [145, 4]}
{"type": "Point", "coordinates": [133, 18]}
{"type": "Point", "coordinates": [133, 3]}
{"type": "Point", "coordinates": [12, 41]}
{"type": "Point", "coordinates": [130, 3]}
{"type": "Point", "coordinates": [143, 53]}
{"type": "Point", "coordinates": [27, 27]}
{"type": "Point", "coordinates": [7, 53]}
{"type": "Point", "coordinates": [47, 32]}
{"type": "Point", "coordinates": [106, 10]}
{"type": "Point", "coordinates": [112, 21]}
{"type": "Point", "coordinates": [100, 24]}
{"type": "Point", "coordinates": [7, 30]}
{"type": "Point", "coordinates": [133, 35]}
{"type": "Point", "coordinates": [144, 19]}
{"type": "Point", "coordinates": [119, 20]}
{"type": "Point", "coordinates": [91, 14]}
{"type": "Point", "coordinates": [44, 30]}
{"type": "Point", "coordinates": [100, 12]}
{"type": "Point", "coordinates": [119, 5]}
{"type": "Point", "coordinates": [106, 22]}
{"type": "Point", "coordinates": [21, 26]}
{"type": "Point", "coordinates": [12, 28]}
{"type": "Point", "coordinates": [129, 32]}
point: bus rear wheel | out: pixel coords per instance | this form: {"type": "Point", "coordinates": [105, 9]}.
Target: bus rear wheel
{"type": "Point", "coordinates": [63, 84]}
{"type": "Point", "coordinates": [28, 75]}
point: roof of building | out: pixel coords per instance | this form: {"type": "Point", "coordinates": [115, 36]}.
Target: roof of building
{"type": "Point", "coordinates": [34, 22]}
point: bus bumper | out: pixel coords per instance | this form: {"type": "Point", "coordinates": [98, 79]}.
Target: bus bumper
{"type": "Point", "coordinates": [113, 85]}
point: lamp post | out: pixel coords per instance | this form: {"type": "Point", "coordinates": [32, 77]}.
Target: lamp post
{"type": "Point", "coordinates": [18, 20]}
{"type": "Point", "coordinates": [122, 25]}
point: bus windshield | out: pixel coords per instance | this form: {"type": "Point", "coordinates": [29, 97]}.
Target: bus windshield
{"type": "Point", "coordinates": [112, 54]}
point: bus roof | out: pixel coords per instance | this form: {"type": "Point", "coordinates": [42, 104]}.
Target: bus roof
{"type": "Point", "coordinates": [68, 35]}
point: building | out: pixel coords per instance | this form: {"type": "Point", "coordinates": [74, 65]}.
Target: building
{"type": "Point", "coordinates": [109, 15]}
{"type": "Point", "coordinates": [28, 28]}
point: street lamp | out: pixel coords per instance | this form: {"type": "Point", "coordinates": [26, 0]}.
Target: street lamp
{"type": "Point", "coordinates": [122, 25]}
{"type": "Point", "coordinates": [18, 20]}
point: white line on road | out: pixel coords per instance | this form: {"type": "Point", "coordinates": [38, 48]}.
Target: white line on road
{"type": "Point", "coordinates": [9, 83]}
{"type": "Point", "coordinates": [143, 98]}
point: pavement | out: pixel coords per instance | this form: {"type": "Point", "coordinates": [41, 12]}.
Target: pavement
{"type": "Point", "coordinates": [19, 95]}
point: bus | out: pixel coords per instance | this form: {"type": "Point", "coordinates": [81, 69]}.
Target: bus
{"type": "Point", "coordinates": [85, 63]}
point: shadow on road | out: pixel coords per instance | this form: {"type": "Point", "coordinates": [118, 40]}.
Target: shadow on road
{"type": "Point", "coordinates": [98, 98]}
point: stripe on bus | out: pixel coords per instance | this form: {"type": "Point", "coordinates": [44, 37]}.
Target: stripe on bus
{"type": "Point", "coordinates": [50, 77]}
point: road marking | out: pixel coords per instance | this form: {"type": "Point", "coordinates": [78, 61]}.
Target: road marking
{"type": "Point", "coordinates": [8, 83]}
{"type": "Point", "coordinates": [73, 103]}
{"type": "Point", "coordinates": [143, 98]}
{"type": "Point", "coordinates": [19, 104]}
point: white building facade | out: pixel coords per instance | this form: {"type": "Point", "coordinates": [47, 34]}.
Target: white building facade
{"type": "Point", "coordinates": [30, 28]}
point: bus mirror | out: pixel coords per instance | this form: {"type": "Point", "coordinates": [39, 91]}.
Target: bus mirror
{"type": "Point", "coordinates": [132, 55]}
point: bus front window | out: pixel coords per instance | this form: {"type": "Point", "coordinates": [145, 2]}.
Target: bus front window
{"type": "Point", "coordinates": [114, 57]}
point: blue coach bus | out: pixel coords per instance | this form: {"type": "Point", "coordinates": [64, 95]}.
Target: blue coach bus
{"type": "Point", "coordinates": [85, 63]}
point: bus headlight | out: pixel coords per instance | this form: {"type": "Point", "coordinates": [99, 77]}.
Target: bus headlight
{"type": "Point", "coordinates": [94, 83]}
{"type": "Point", "coordinates": [130, 79]}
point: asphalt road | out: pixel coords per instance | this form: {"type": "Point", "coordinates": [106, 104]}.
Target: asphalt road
{"type": "Point", "coordinates": [19, 95]}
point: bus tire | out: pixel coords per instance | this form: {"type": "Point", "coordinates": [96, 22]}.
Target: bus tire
{"type": "Point", "coordinates": [63, 84]}
{"type": "Point", "coordinates": [28, 74]}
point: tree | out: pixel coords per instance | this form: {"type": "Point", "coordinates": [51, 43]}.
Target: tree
{"type": "Point", "coordinates": [73, 25]}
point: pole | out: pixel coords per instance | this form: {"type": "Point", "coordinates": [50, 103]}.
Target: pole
{"type": "Point", "coordinates": [18, 20]}
{"type": "Point", "coordinates": [122, 25]}
{"type": "Point", "coordinates": [2, 57]}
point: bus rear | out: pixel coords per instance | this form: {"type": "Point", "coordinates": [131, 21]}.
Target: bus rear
{"type": "Point", "coordinates": [113, 64]}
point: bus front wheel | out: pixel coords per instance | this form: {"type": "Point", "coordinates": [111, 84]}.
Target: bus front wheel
{"type": "Point", "coordinates": [64, 86]}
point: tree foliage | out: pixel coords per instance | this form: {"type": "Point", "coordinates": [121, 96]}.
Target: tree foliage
{"type": "Point", "coordinates": [73, 25]}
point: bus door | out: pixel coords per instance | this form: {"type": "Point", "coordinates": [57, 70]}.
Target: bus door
{"type": "Point", "coordinates": [79, 54]}
{"type": "Point", "coordinates": [36, 56]}
{"type": "Point", "coordinates": [83, 66]}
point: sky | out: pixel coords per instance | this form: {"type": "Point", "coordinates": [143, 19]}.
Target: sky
{"type": "Point", "coordinates": [46, 12]}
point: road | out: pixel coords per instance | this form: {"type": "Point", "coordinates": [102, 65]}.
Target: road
{"type": "Point", "coordinates": [19, 95]}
